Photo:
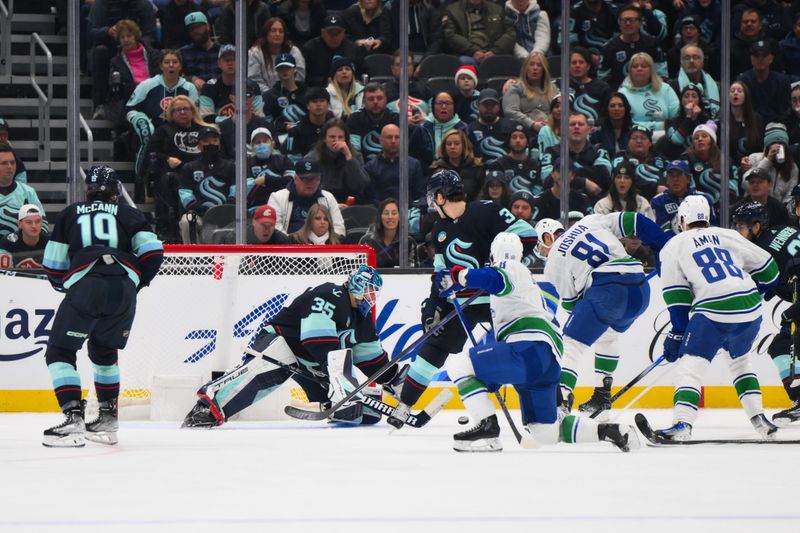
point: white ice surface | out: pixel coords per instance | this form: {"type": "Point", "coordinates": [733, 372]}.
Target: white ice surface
{"type": "Point", "coordinates": [297, 476]}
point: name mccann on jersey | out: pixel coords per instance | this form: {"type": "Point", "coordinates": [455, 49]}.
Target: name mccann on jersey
{"type": "Point", "coordinates": [97, 206]}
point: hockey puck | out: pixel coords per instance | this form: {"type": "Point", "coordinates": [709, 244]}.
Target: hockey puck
{"type": "Point", "coordinates": [463, 420]}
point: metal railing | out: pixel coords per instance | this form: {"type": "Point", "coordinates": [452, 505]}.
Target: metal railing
{"type": "Point", "coordinates": [6, 14]}
{"type": "Point", "coordinates": [89, 142]}
{"type": "Point", "coordinates": [46, 100]}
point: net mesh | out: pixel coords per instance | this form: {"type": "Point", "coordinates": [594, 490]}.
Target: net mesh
{"type": "Point", "coordinates": [205, 305]}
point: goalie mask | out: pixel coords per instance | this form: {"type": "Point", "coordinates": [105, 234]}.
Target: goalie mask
{"type": "Point", "coordinates": [550, 227]}
{"type": "Point", "coordinates": [363, 284]}
{"type": "Point", "coordinates": [506, 247]}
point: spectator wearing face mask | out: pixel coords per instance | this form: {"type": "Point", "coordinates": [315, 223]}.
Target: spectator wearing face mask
{"type": "Point", "coordinates": [268, 170]}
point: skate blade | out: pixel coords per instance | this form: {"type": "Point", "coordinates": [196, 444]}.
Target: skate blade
{"type": "Point", "coordinates": [478, 446]}
{"type": "Point", "coordinates": [602, 418]}
{"type": "Point", "coordinates": [103, 437]}
{"type": "Point", "coordinates": [65, 441]}
{"type": "Point", "coordinates": [783, 421]}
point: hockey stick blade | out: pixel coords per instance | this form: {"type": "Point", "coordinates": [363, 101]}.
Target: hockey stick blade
{"type": "Point", "coordinates": [21, 274]}
{"type": "Point", "coordinates": [417, 420]}
{"type": "Point", "coordinates": [321, 415]}
{"type": "Point", "coordinates": [655, 441]}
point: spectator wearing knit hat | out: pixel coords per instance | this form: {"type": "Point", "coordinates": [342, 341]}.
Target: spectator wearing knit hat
{"type": "Point", "coordinates": [320, 51]}
{"type": "Point", "coordinates": [523, 170]}
{"type": "Point", "coordinates": [477, 30]}
{"type": "Point", "coordinates": [347, 94]}
{"type": "Point", "coordinates": [705, 163]}
{"type": "Point", "coordinates": [522, 205]}
{"type": "Point", "coordinates": [776, 161]}
{"type": "Point", "coordinates": [769, 90]}
{"type": "Point", "coordinates": [466, 97]}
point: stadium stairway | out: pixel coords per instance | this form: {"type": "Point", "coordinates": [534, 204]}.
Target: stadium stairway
{"type": "Point", "coordinates": [19, 105]}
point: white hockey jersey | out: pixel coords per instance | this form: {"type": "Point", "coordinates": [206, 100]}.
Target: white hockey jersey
{"type": "Point", "coordinates": [590, 245]}
{"type": "Point", "coordinates": [518, 310]}
{"type": "Point", "coordinates": [716, 271]}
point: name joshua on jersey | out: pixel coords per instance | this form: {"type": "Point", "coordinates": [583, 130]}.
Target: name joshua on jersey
{"type": "Point", "coordinates": [567, 240]}
{"type": "Point", "coordinates": [97, 206]}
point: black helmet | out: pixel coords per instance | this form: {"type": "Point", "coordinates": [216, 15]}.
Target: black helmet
{"type": "Point", "coordinates": [446, 181]}
{"type": "Point", "coordinates": [751, 212]}
{"type": "Point", "coordinates": [102, 178]}
{"type": "Point", "coordinates": [795, 191]}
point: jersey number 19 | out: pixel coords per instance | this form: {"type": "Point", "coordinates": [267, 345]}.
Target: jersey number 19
{"type": "Point", "coordinates": [98, 228]}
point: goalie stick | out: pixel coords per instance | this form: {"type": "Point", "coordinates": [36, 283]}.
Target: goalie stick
{"type": "Point", "coordinates": [302, 414]}
{"type": "Point", "coordinates": [526, 441]}
{"type": "Point", "coordinates": [630, 384]}
{"type": "Point", "coordinates": [416, 420]}
{"type": "Point", "coordinates": [657, 442]}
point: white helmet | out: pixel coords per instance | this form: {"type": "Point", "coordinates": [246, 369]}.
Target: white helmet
{"type": "Point", "coordinates": [693, 208]}
{"type": "Point", "coordinates": [506, 247]}
{"type": "Point", "coordinates": [546, 225]}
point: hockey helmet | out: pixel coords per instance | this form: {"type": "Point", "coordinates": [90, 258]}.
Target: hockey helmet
{"type": "Point", "coordinates": [446, 181]}
{"type": "Point", "coordinates": [546, 226]}
{"type": "Point", "coordinates": [102, 178]}
{"type": "Point", "coordinates": [364, 283]}
{"type": "Point", "coordinates": [749, 213]}
{"type": "Point", "coordinates": [693, 208]}
{"type": "Point", "coordinates": [506, 247]}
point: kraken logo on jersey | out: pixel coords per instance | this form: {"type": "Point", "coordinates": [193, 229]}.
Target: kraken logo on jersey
{"type": "Point", "coordinates": [210, 188]}
{"type": "Point", "coordinates": [455, 254]}
{"type": "Point", "coordinates": [587, 105]}
{"type": "Point", "coordinates": [347, 338]}
{"type": "Point", "coordinates": [371, 144]}
{"type": "Point", "coordinates": [492, 148]}
{"type": "Point", "coordinates": [651, 107]}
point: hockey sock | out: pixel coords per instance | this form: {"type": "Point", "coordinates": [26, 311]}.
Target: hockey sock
{"type": "Point", "coordinates": [575, 429]}
{"type": "Point", "coordinates": [473, 391]}
{"type": "Point", "coordinates": [420, 373]}
{"type": "Point", "coordinates": [747, 387]}
{"type": "Point", "coordinates": [782, 363]}
{"type": "Point", "coordinates": [691, 369]}
{"type": "Point", "coordinates": [106, 382]}
{"type": "Point", "coordinates": [605, 360]}
{"type": "Point", "coordinates": [573, 351]}
{"type": "Point", "coordinates": [64, 374]}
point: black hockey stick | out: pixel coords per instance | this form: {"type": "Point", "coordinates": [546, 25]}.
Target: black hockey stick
{"type": "Point", "coordinates": [793, 338]}
{"type": "Point", "coordinates": [526, 441]}
{"type": "Point", "coordinates": [631, 383]}
{"type": "Point", "coordinates": [653, 439]}
{"type": "Point", "coordinates": [416, 420]}
{"type": "Point", "coordinates": [321, 415]}
{"type": "Point", "coordinates": [22, 274]}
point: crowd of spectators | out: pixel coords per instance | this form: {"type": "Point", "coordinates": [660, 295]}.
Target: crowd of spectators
{"type": "Point", "coordinates": [643, 108]}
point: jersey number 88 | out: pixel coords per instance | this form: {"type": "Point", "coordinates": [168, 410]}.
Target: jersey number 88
{"type": "Point", "coordinates": [714, 262]}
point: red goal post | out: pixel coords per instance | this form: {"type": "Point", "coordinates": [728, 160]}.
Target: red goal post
{"type": "Point", "coordinates": [209, 300]}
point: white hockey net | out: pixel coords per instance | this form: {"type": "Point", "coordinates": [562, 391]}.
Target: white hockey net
{"type": "Point", "coordinates": [209, 301]}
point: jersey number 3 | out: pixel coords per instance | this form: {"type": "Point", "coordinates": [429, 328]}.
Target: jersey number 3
{"type": "Point", "coordinates": [714, 262]}
{"type": "Point", "coordinates": [98, 228]}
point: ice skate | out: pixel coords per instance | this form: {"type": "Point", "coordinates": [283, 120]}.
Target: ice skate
{"type": "Point", "coordinates": [565, 406]}
{"type": "Point", "coordinates": [103, 429]}
{"type": "Point", "coordinates": [395, 385]}
{"type": "Point", "coordinates": [764, 427]}
{"type": "Point", "coordinates": [787, 416]}
{"type": "Point", "coordinates": [600, 400]}
{"type": "Point", "coordinates": [399, 416]}
{"type": "Point", "coordinates": [484, 437]}
{"type": "Point", "coordinates": [201, 417]}
{"type": "Point", "coordinates": [71, 432]}
{"type": "Point", "coordinates": [622, 436]}
{"type": "Point", "coordinates": [679, 432]}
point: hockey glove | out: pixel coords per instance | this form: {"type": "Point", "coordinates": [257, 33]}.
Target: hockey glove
{"type": "Point", "coordinates": [431, 315]}
{"type": "Point", "coordinates": [448, 281]}
{"type": "Point", "coordinates": [791, 313]}
{"type": "Point", "coordinates": [672, 346]}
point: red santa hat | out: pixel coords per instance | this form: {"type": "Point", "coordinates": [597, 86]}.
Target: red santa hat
{"type": "Point", "coordinates": [468, 70]}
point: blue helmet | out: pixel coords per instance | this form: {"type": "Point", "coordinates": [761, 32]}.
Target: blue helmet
{"type": "Point", "coordinates": [102, 178]}
{"type": "Point", "coordinates": [445, 181]}
{"type": "Point", "coordinates": [364, 283]}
